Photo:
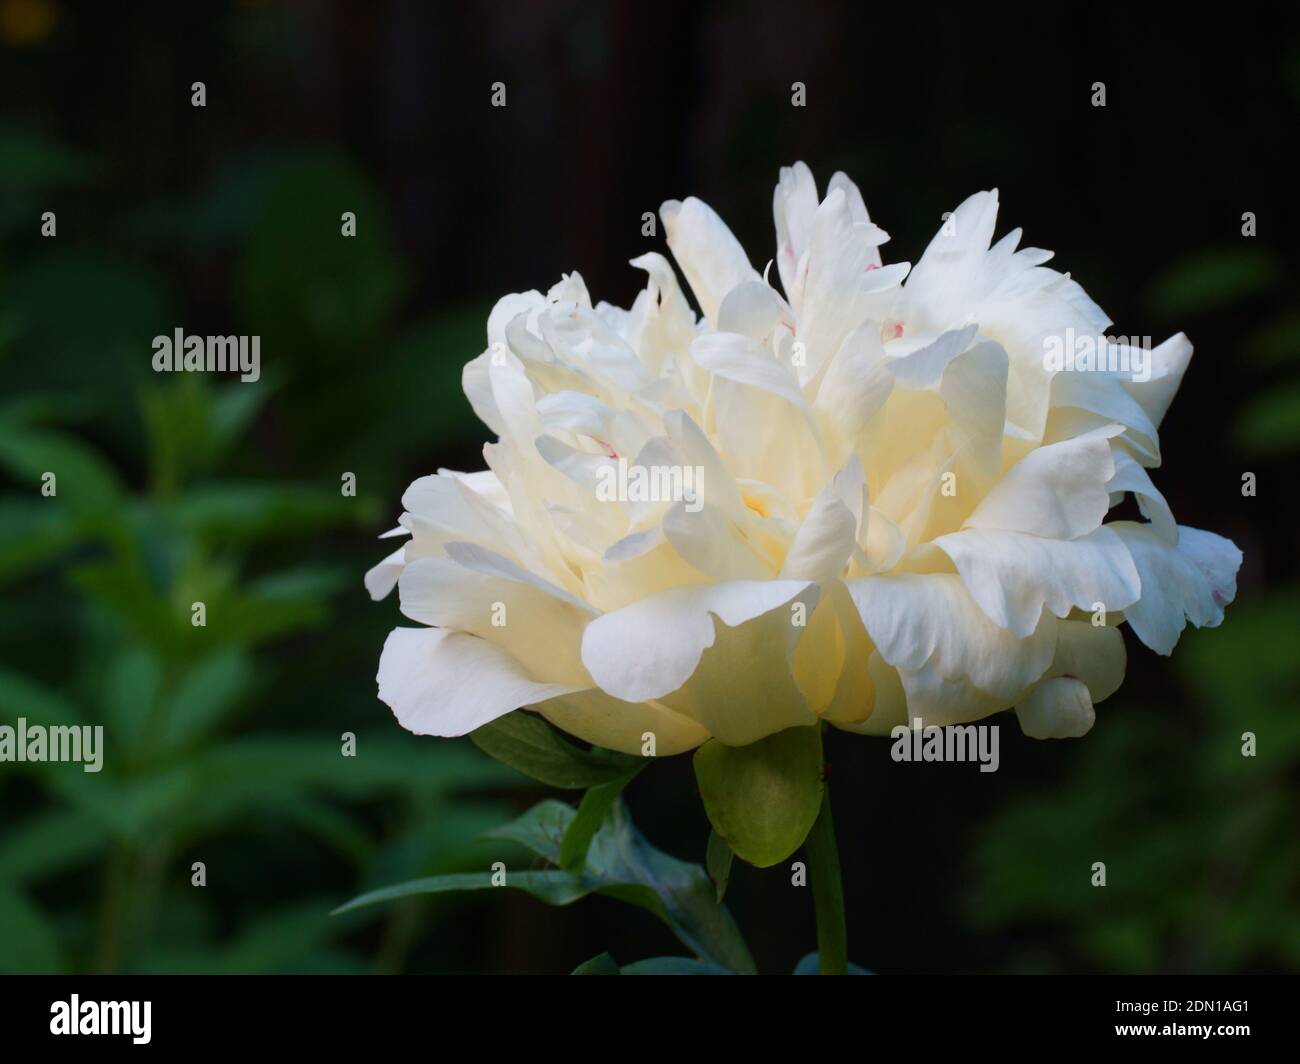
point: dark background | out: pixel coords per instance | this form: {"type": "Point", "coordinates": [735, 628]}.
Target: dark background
{"type": "Point", "coordinates": [224, 219]}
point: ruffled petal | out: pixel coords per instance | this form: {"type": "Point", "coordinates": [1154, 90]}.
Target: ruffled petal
{"type": "Point", "coordinates": [709, 255]}
{"type": "Point", "coordinates": [602, 720]}
{"type": "Point", "coordinates": [1190, 582]}
{"type": "Point", "coordinates": [439, 682]}
{"type": "Point", "coordinates": [1057, 709]}
{"type": "Point", "coordinates": [929, 620]}
{"type": "Point", "coordinates": [741, 689]}
{"type": "Point", "coordinates": [1014, 576]}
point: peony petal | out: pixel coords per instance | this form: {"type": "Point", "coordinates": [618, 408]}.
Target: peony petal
{"type": "Point", "coordinates": [1092, 653]}
{"type": "Point", "coordinates": [540, 629]}
{"type": "Point", "coordinates": [831, 661]}
{"type": "Point", "coordinates": [1168, 364]}
{"type": "Point", "coordinates": [744, 687]}
{"type": "Point", "coordinates": [856, 382]}
{"type": "Point", "coordinates": [794, 201]}
{"type": "Point", "coordinates": [872, 235]}
{"type": "Point", "coordinates": [1192, 581]}
{"type": "Point", "coordinates": [938, 701]}
{"type": "Point", "coordinates": [1105, 395]}
{"type": "Point", "coordinates": [752, 309]}
{"type": "Point", "coordinates": [579, 338]}
{"type": "Point", "coordinates": [485, 484]}
{"type": "Point", "coordinates": [1131, 477]}
{"type": "Point", "coordinates": [443, 508]}
{"type": "Point", "coordinates": [1057, 709]}
{"type": "Point", "coordinates": [889, 707]}
{"type": "Point", "coordinates": [1013, 576]}
{"type": "Point", "coordinates": [1059, 491]}
{"type": "Point", "coordinates": [472, 556]}
{"type": "Point", "coordinates": [767, 438]}
{"type": "Point", "coordinates": [920, 620]}
{"type": "Point", "coordinates": [825, 540]}
{"type": "Point", "coordinates": [382, 578]}
{"type": "Point", "coordinates": [924, 367]}
{"type": "Point", "coordinates": [711, 542]}
{"type": "Point", "coordinates": [740, 359]}
{"type": "Point", "coordinates": [651, 648]}
{"type": "Point", "coordinates": [575, 412]}
{"type": "Point", "coordinates": [974, 391]}
{"type": "Point", "coordinates": [709, 255]}
{"type": "Point", "coordinates": [842, 287]}
{"type": "Point", "coordinates": [944, 282]}
{"type": "Point", "coordinates": [476, 383]}
{"type": "Point", "coordinates": [439, 682]}
{"type": "Point", "coordinates": [696, 450]}
{"type": "Point", "coordinates": [603, 720]}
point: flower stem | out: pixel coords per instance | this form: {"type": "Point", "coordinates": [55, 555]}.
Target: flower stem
{"type": "Point", "coordinates": [827, 891]}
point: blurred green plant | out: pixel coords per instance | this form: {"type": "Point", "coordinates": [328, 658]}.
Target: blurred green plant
{"type": "Point", "coordinates": [761, 799]}
{"type": "Point", "coordinates": [184, 765]}
{"type": "Point", "coordinates": [1187, 824]}
{"type": "Point", "coordinates": [617, 861]}
{"type": "Point", "coordinates": [222, 742]}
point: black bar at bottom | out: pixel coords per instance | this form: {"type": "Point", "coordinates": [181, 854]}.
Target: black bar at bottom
{"type": "Point", "coordinates": [339, 1013]}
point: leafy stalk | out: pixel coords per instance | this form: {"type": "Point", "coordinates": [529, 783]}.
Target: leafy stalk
{"type": "Point", "coordinates": [828, 891]}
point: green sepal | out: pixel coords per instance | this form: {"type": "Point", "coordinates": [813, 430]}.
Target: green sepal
{"type": "Point", "coordinates": [526, 743]}
{"type": "Point", "coordinates": [763, 798]}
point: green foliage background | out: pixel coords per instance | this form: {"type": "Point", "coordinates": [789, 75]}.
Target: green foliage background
{"type": "Point", "coordinates": [223, 742]}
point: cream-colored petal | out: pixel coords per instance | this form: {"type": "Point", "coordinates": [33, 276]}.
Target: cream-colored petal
{"type": "Point", "coordinates": [602, 720]}
{"type": "Point", "coordinates": [439, 682]}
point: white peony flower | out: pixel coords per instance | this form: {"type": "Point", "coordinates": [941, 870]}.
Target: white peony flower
{"type": "Point", "coordinates": [886, 507]}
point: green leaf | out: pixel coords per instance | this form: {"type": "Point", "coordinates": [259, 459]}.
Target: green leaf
{"type": "Point", "coordinates": [32, 532]}
{"type": "Point", "coordinates": [30, 159]}
{"type": "Point", "coordinates": [592, 810]}
{"type": "Point", "coordinates": [121, 304]}
{"type": "Point", "coordinates": [810, 964]}
{"type": "Point", "coordinates": [1270, 422]}
{"type": "Point", "coordinates": [601, 964]}
{"type": "Point", "coordinates": [29, 945]}
{"type": "Point", "coordinates": [620, 864]}
{"type": "Point", "coordinates": [83, 480]}
{"type": "Point", "coordinates": [673, 966]}
{"type": "Point", "coordinates": [234, 408]}
{"type": "Point", "coordinates": [552, 885]}
{"type": "Point", "coordinates": [1277, 342]}
{"type": "Point", "coordinates": [193, 425]}
{"type": "Point", "coordinates": [541, 829]}
{"type": "Point", "coordinates": [269, 778]}
{"type": "Point", "coordinates": [206, 695]}
{"type": "Point", "coordinates": [622, 860]}
{"type": "Point", "coordinates": [425, 360]}
{"type": "Point", "coordinates": [717, 859]}
{"type": "Point", "coordinates": [525, 742]}
{"type": "Point", "coordinates": [129, 594]}
{"type": "Point", "coordinates": [260, 510]}
{"type": "Point", "coordinates": [23, 697]}
{"type": "Point", "coordinates": [1211, 279]}
{"type": "Point", "coordinates": [221, 215]}
{"type": "Point", "coordinates": [763, 798]}
{"type": "Point", "coordinates": [303, 287]}
{"type": "Point", "coordinates": [604, 964]}
{"type": "Point", "coordinates": [129, 690]}
{"type": "Point", "coordinates": [46, 844]}
{"type": "Point", "coordinates": [273, 942]}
